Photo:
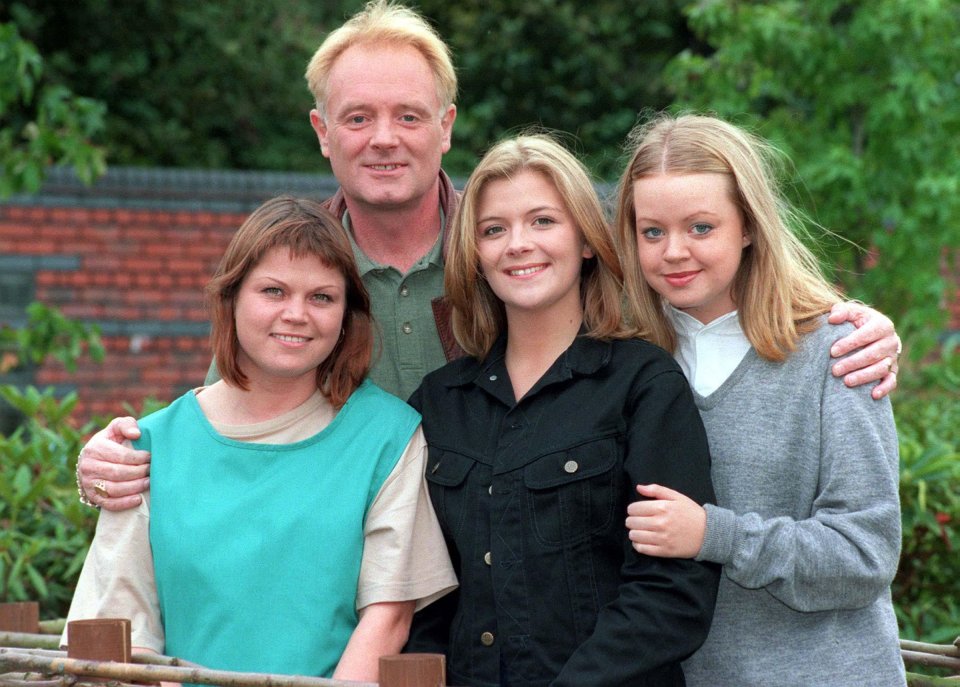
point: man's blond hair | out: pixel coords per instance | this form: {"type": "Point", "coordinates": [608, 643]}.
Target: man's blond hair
{"type": "Point", "coordinates": [382, 22]}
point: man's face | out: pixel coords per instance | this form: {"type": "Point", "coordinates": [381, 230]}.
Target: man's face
{"type": "Point", "coordinates": [385, 129]}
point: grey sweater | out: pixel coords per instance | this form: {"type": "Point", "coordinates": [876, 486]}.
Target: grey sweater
{"type": "Point", "coordinates": [808, 529]}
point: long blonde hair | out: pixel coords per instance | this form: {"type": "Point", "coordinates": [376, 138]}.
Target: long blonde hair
{"type": "Point", "coordinates": [479, 316]}
{"type": "Point", "coordinates": [779, 288]}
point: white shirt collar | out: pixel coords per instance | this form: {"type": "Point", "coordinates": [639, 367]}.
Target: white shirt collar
{"type": "Point", "coordinates": [708, 353]}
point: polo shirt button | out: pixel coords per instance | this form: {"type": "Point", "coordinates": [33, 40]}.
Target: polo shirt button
{"type": "Point", "coordinates": [490, 490]}
{"type": "Point", "coordinates": [487, 558]}
{"type": "Point", "coordinates": [571, 466]}
{"type": "Point", "coordinates": [404, 290]}
{"type": "Point", "coordinates": [407, 328]}
{"type": "Point", "coordinates": [493, 378]}
{"type": "Point", "coordinates": [486, 639]}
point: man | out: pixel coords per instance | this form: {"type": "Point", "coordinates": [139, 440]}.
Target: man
{"type": "Point", "coordinates": [385, 87]}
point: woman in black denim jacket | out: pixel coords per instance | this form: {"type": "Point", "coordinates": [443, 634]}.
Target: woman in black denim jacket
{"type": "Point", "coordinates": [537, 439]}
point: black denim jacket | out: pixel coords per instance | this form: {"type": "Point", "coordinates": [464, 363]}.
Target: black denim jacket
{"type": "Point", "coordinates": [532, 498]}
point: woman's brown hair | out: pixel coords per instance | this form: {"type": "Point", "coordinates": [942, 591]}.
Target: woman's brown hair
{"type": "Point", "coordinates": [306, 228]}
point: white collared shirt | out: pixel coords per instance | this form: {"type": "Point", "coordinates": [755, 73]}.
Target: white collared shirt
{"type": "Point", "coordinates": [708, 353]}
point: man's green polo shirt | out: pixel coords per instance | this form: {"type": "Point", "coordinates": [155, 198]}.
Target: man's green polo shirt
{"type": "Point", "coordinates": [407, 331]}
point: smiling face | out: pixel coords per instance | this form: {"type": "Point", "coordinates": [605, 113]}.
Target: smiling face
{"type": "Point", "coordinates": [289, 313]}
{"type": "Point", "coordinates": [690, 240]}
{"type": "Point", "coordinates": [385, 129]}
{"type": "Point", "coordinates": [529, 247]}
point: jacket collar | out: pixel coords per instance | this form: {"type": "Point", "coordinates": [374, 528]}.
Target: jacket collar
{"type": "Point", "coordinates": [584, 357]}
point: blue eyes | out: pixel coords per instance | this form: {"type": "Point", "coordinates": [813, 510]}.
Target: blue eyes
{"type": "Point", "coordinates": [700, 229]}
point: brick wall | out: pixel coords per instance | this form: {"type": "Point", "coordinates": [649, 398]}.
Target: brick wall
{"type": "Point", "coordinates": [131, 255]}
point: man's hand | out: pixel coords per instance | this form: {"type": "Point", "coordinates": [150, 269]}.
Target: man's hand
{"type": "Point", "coordinates": [111, 473]}
{"type": "Point", "coordinates": [666, 524]}
{"type": "Point", "coordinates": [878, 344]}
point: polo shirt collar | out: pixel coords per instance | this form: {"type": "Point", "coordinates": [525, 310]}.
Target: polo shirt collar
{"type": "Point", "coordinates": [366, 265]}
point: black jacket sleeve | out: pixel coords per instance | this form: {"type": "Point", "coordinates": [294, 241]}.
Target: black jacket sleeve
{"type": "Point", "coordinates": [664, 607]}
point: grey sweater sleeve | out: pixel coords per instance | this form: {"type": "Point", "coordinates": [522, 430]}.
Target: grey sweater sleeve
{"type": "Point", "coordinates": [844, 553]}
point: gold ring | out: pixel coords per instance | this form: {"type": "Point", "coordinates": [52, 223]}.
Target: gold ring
{"type": "Point", "coordinates": [100, 487]}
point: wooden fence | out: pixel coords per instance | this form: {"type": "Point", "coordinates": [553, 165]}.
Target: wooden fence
{"type": "Point", "coordinates": [30, 657]}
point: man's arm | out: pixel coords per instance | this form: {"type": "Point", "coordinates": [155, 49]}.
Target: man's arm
{"type": "Point", "coordinates": [110, 472]}
{"type": "Point", "coordinates": [878, 344]}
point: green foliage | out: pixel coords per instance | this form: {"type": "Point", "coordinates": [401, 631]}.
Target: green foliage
{"type": "Point", "coordinates": [865, 98]}
{"type": "Point", "coordinates": [188, 84]}
{"type": "Point", "coordinates": [221, 84]}
{"type": "Point", "coordinates": [48, 333]}
{"type": "Point", "coordinates": [928, 422]}
{"type": "Point", "coordinates": [582, 68]}
{"type": "Point", "coordinates": [41, 122]}
{"type": "Point", "coordinates": [44, 529]}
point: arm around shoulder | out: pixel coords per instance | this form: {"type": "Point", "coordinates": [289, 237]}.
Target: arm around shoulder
{"type": "Point", "coordinates": [110, 472]}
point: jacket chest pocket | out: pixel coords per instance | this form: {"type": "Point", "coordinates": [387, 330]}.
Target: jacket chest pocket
{"type": "Point", "coordinates": [573, 494]}
{"type": "Point", "coordinates": [446, 477]}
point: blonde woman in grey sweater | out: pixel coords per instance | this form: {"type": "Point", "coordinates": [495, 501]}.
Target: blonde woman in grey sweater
{"type": "Point", "coordinates": [807, 521]}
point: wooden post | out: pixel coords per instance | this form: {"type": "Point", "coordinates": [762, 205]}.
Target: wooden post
{"type": "Point", "coordinates": [100, 639]}
{"type": "Point", "coordinates": [413, 670]}
{"type": "Point", "coordinates": [23, 616]}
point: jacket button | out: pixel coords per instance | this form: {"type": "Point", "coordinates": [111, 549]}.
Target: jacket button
{"type": "Point", "coordinates": [486, 639]}
{"type": "Point", "coordinates": [487, 558]}
{"type": "Point", "coordinates": [571, 466]}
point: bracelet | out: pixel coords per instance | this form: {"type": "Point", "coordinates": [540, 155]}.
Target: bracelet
{"type": "Point", "coordinates": [83, 496]}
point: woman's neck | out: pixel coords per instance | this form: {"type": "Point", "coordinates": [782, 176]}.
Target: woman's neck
{"type": "Point", "coordinates": [231, 405]}
{"type": "Point", "coordinates": [534, 342]}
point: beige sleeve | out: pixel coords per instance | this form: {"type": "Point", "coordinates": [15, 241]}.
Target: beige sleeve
{"type": "Point", "coordinates": [117, 579]}
{"type": "Point", "coordinates": [404, 555]}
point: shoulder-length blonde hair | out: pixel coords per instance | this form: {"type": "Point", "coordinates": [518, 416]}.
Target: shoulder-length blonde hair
{"type": "Point", "coordinates": [779, 288]}
{"type": "Point", "coordinates": [478, 315]}
{"type": "Point", "coordinates": [306, 228]}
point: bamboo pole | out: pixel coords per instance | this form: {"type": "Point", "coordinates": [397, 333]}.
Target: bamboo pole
{"type": "Point", "coordinates": [7, 681]}
{"type": "Point", "coordinates": [12, 660]}
{"type": "Point", "coordinates": [142, 658]}
{"type": "Point", "coordinates": [917, 680]}
{"type": "Point", "coordinates": [952, 650]}
{"type": "Point", "coordinates": [53, 627]}
{"type": "Point", "coordinates": [932, 655]}
{"type": "Point", "coordinates": [931, 660]}
{"type": "Point", "coordinates": [27, 640]}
